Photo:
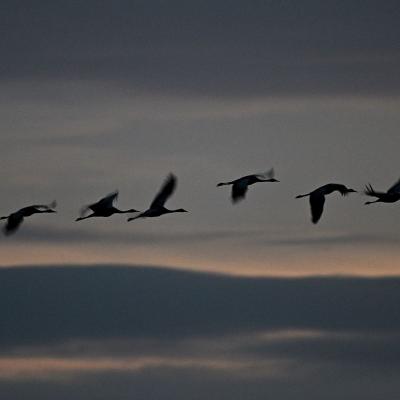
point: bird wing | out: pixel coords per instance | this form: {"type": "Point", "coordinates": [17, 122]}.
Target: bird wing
{"type": "Point", "coordinates": [395, 188]}
{"type": "Point", "coordinates": [84, 210]}
{"type": "Point", "coordinates": [239, 190]}
{"type": "Point", "coordinates": [41, 207]}
{"type": "Point", "coordinates": [104, 203]}
{"type": "Point", "coordinates": [369, 191]}
{"type": "Point", "coordinates": [341, 189]}
{"type": "Point", "coordinates": [267, 175]}
{"type": "Point", "coordinates": [13, 222]}
{"type": "Point", "coordinates": [165, 192]}
{"type": "Point", "coordinates": [317, 202]}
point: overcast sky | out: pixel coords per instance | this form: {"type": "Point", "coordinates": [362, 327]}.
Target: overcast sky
{"type": "Point", "coordinates": [97, 96]}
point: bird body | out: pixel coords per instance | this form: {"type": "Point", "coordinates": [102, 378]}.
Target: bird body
{"type": "Point", "coordinates": [103, 208]}
{"type": "Point", "coordinates": [157, 207]}
{"type": "Point", "coordinates": [391, 196]}
{"type": "Point", "coordinates": [15, 219]}
{"type": "Point", "coordinates": [240, 186]}
{"type": "Point", "coordinates": [317, 198]}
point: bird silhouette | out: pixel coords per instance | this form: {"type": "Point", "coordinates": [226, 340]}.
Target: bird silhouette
{"type": "Point", "coordinates": [317, 198]}
{"type": "Point", "coordinates": [241, 185]}
{"type": "Point", "coordinates": [103, 208]}
{"type": "Point", "coordinates": [157, 206]}
{"type": "Point", "coordinates": [15, 219]}
{"type": "Point", "coordinates": [391, 196]}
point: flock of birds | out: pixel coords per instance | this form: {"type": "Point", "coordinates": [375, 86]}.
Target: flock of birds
{"type": "Point", "coordinates": [105, 206]}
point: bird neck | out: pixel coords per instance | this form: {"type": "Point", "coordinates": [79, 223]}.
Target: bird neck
{"type": "Point", "coordinates": [224, 183]}
{"type": "Point", "coordinates": [88, 216]}
{"type": "Point", "coordinates": [177, 210]}
{"type": "Point", "coordinates": [142, 215]}
{"type": "Point", "coordinates": [131, 210]}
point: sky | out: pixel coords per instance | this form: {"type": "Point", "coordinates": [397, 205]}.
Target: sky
{"type": "Point", "coordinates": [230, 301]}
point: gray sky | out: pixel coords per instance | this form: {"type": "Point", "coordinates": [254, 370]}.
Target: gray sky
{"type": "Point", "coordinates": [97, 96]}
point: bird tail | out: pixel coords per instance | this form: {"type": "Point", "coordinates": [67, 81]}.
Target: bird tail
{"type": "Point", "coordinates": [223, 184]}
{"type": "Point", "coordinates": [302, 195]}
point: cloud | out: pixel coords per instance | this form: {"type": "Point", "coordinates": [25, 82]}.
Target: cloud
{"type": "Point", "coordinates": [270, 361]}
{"type": "Point", "coordinates": [56, 235]}
{"type": "Point", "coordinates": [168, 334]}
{"type": "Point", "coordinates": [51, 305]}
{"type": "Point", "coordinates": [334, 240]}
{"type": "Point", "coordinates": [378, 351]}
{"type": "Point", "coordinates": [255, 237]}
{"type": "Point", "coordinates": [212, 47]}
{"type": "Point", "coordinates": [179, 384]}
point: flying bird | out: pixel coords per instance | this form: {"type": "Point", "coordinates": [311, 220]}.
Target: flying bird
{"type": "Point", "coordinates": [103, 208]}
{"type": "Point", "coordinates": [317, 198]}
{"type": "Point", "coordinates": [391, 196]}
{"type": "Point", "coordinates": [15, 219]}
{"type": "Point", "coordinates": [240, 186]}
{"type": "Point", "coordinates": [157, 206]}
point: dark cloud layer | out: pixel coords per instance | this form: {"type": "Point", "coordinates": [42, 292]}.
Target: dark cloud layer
{"type": "Point", "coordinates": [219, 48]}
{"type": "Point", "coordinates": [310, 338]}
{"type": "Point", "coordinates": [197, 385]}
{"type": "Point", "coordinates": [45, 305]}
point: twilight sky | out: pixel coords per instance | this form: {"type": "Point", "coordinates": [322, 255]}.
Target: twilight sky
{"type": "Point", "coordinates": [97, 96]}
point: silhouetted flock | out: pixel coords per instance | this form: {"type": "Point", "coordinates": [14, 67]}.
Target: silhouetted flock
{"type": "Point", "coordinates": [105, 206]}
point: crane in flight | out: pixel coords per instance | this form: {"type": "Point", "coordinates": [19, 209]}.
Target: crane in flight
{"type": "Point", "coordinates": [241, 185]}
{"type": "Point", "coordinates": [15, 219]}
{"type": "Point", "coordinates": [391, 196]}
{"type": "Point", "coordinates": [103, 208]}
{"type": "Point", "coordinates": [317, 198]}
{"type": "Point", "coordinates": [157, 208]}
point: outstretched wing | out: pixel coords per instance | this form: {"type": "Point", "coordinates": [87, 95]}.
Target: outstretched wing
{"type": "Point", "coordinates": [369, 191]}
{"type": "Point", "coordinates": [267, 175]}
{"type": "Point", "coordinates": [13, 222]}
{"type": "Point", "coordinates": [44, 207]}
{"type": "Point", "coordinates": [395, 188]}
{"type": "Point", "coordinates": [239, 190]}
{"type": "Point", "coordinates": [104, 203]}
{"type": "Point", "coordinates": [317, 202]}
{"type": "Point", "coordinates": [165, 192]}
